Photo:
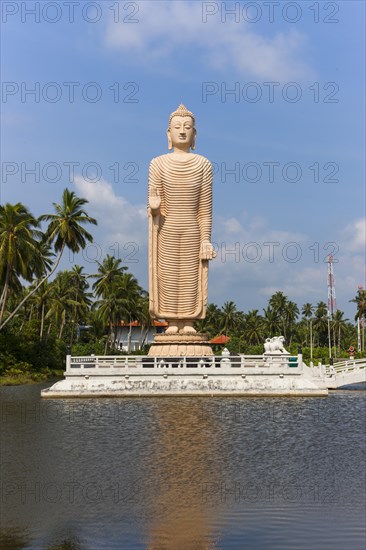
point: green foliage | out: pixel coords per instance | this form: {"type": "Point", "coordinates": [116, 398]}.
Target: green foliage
{"type": "Point", "coordinates": [28, 349]}
{"type": "Point", "coordinates": [9, 365]}
{"type": "Point", "coordinates": [90, 348]}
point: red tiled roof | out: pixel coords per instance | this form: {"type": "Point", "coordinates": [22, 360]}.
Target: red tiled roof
{"type": "Point", "coordinates": [221, 339]}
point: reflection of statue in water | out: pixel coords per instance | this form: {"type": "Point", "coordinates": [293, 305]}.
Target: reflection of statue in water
{"type": "Point", "coordinates": [184, 476]}
{"type": "Point", "coordinates": [180, 217]}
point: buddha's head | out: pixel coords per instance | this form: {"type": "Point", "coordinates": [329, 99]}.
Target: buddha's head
{"type": "Point", "coordinates": [181, 130]}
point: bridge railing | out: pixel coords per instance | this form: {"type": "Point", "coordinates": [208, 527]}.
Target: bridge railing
{"type": "Point", "coordinates": [347, 365]}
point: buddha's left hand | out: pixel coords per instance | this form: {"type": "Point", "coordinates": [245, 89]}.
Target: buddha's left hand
{"type": "Point", "coordinates": [207, 251]}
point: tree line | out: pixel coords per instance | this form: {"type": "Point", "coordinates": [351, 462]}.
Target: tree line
{"type": "Point", "coordinates": [39, 317]}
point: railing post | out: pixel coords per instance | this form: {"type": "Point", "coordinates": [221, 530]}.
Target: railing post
{"type": "Point", "coordinates": [299, 357]}
{"type": "Point", "coordinates": [68, 358]}
{"type": "Point", "coordinates": [320, 368]}
{"type": "Point", "coordinates": [323, 367]}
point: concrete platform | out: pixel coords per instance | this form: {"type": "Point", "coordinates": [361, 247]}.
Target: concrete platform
{"type": "Point", "coordinates": [208, 376]}
{"type": "Point", "coordinates": [183, 387]}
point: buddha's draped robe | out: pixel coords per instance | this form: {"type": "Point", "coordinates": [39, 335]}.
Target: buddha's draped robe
{"type": "Point", "coordinates": [177, 275]}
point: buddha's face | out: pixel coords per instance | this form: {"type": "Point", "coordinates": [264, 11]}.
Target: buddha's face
{"type": "Point", "coordinates": [182, 132]}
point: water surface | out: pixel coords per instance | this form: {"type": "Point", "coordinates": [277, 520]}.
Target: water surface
{"type": "Point", "coordinates": [182, 473]}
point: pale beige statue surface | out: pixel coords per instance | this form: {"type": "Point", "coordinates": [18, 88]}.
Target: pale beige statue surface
{"type": "Point", "coordinates": [180, 219]}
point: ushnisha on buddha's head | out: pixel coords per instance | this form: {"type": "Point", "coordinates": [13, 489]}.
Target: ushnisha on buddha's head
{"type": "Point", "coordinates": [181, 130]}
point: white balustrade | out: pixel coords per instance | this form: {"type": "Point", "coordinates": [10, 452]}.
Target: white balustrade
{"type": "Point", "coordinates": [109, 365]}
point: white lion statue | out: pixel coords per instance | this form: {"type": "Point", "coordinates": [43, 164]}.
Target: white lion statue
{"type": "Point", "coordinates": [275, 345]}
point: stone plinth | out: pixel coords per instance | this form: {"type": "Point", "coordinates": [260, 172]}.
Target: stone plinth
{"type": "Point", "coordinates": [181, 345]}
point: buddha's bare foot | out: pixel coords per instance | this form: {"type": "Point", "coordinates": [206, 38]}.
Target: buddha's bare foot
{"type": "Point", "coordinates": [172, 329]}
{"type": "Point", "coordinates": [188, 329]}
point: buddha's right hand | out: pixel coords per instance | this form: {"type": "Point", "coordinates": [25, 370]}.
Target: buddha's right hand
{"type": "Point", "coordinates": [154, 200]}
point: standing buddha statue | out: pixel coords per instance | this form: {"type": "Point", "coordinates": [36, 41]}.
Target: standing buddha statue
{"type": "Point", "coordinates": [180, 219]}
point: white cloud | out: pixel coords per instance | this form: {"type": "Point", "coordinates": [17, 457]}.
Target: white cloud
{"type": "Point", "coordinates": [300, 284]}
{"type": "Point", "coordinates": [166, 28]}
{"type": "Point", "coordinates": [232, 225]}
{"type": "Point", "coordinates": [354, 236]}
{"type": "Point", "coordinates": [118, 220]}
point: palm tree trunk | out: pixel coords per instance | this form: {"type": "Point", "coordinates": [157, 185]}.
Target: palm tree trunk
{"type": "Point", "coordinates": [339, 339]}
{"type": "Point", "coordinates": [4, 302]}
{"type": "Point", "coordinates": [35, 288]}
{"type": "Point", "coordinates": [48, 331]}
{"type": "Point", "coordinates": [129, 338]}
{"type": "Point", "coordinates": [110, 331]}
{"type": "Point", "coordinates": [21, 326]}
{"type": "Point", "coordinates": [61, 328]}
{"type": "Point", "coordinates": [4, 290]}
{"type": "Point", "coordinates": [42, 323]}
{"type": "Point", "coordinates": [141, 334]}
{"type": "Point", "coordinates": [145, 335]}
{"type": "Point", "coordinates": [4, 294]}
{"type": "Point", "coordinates": [107, 339]}
{"type": "Point", "coordinates": [311, 340]}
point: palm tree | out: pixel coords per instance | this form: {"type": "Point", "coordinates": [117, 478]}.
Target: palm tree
{"type": "Point", "coordinates": [97, 324]}
{"type": "Point", "coordinates": [321, 322]}
{"type": "Point", "coordinates": [109, 313]}
{"type": "Point", "coordinates": [41, 262]}
{"type": "Point", "coordinates": [65, 231]}
{"type": "Point", "coordinates": [41, 299]}
{"type": "Point", "coordinates": [307, 311]}
{"type": "Point", "coordinates": [212, 323]}
{"type": "Point", "coordinates": [108, 272]}
{"type": "Point", "coordinates": [61, 301]}
{"type": "Point", "coordinates": [253, 327]}
{"type": "Point", "coordinates": [228, 316]}
{"type": "Point", "coordinates": [18, 248]}
{"type": "Point", "coordinates": [130, 296]}
{"type": "Point", "coordinates": [144, 319]}
{"type": "Point", "coordinates": [120, 296]}
{"type": "Point", "coordinates": [271, 321]}
{"type": "Point", "coordinates": [360, 300]}
{"type": "Point", "coordinates": [78, 284]}
{"type": "Point", "coordinates": [109, 306]}
{"type": "Point", "coordinates": [339, 326]}
{"type": "Point", "coordinates": [291, 314]}
{"type": "Point", "coordinates": [278, 303]}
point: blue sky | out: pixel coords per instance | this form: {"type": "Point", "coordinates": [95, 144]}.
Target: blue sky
{"type": "Point", "coordinates": [292, 134]}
